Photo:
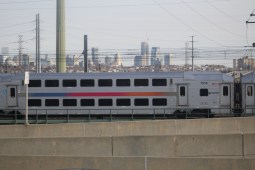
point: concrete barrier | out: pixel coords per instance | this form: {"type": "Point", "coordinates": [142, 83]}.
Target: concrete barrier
{"type": "Point", "coordinates": [163, 146]}
{"type": "Point", "coordinates": [249, 145]}
{"type": "Point", "coordinates": [123, 163]}
{"type": "Point", "coordinates": [131, 128]}
{"type": "Point", "coordinates": [92, 146]}
{"type": "Point", "coordinates": [46, 130]}
{"type": "Point", "coordinates": [179, 146]}
{"type": "Point", "coordinates": [246, 124]}
{"type": "Point", "coordinates": [208, 126]}
{"type": "Point", "coordinates": [209, 145]}
{"type": "Point", "coordinates": [200, 163]}
{"type": "Point", "coordinates": [134, 128]}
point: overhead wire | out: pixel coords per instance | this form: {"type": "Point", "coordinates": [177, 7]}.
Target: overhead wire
{"type": "Point", "coordinates": [182, 22]}
{"type": "Point", "coordinates": [210, 21]}
{"type": "Point", "coordinates": [222, 11]}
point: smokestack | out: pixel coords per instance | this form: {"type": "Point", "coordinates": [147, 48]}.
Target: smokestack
{"type": "Point", "coordinates": [60, 44]}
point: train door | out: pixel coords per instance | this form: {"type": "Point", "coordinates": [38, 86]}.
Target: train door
{"type": "Point", "coordinates": [249, 94]}
{"type": "Point", "coordinates": [11, 96]}
{"type": "Point", "coordinates": [183, 95]}
{"type": "Point", "coordinates": [225, 95]}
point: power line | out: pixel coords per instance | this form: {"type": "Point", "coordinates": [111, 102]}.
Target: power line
{"type": "Point", "coordinates": [208, 20]}
{"type": "Point", "coordinates": [223, 12]}
{"type": "Point", "coordinates": [22, 2]}
{"type": "Point", "coordinates": [178, 19]}
{"type": "Point", "coordinates": [14, 25]}
{"type": "Point", "coordinates": [7, 35]}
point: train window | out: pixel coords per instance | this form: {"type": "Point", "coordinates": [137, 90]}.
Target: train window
{"type": "Point", "coordinates": [51, 83]}
{"type": "Point", "coordinates": [123, 82]}
{"type": "Point", "coordinates": [69, 83]}
{"type": "Point", "coordinates": [123, 102]}
{"type": "Point", "coordinates": [69, 102]}
{"type": "Point", "coordinates": [51, 102]}
{"type": "Point", "coordinates": [141, 82]}
{"type": "Point", "coordinates": [34, 102]}
{"type": "Point", "coordinates": [159, 82]}
{"type": "Point", "coordinates": [87, 102]}
{"type": "Point", "coordinates": [203, 92]}
{"type": "Point", "coordinates": [141, 102]}
{"type": "Point", "coordinates": [159, 102]}
{"type": "Point", "coordinates": [87, 83]}
{"type": "Point", "coordinates": [171, 81]}
{"type": "Point", "coordinates": [225, 90]}
{"type": "Point", "coordinates": [249, 91]}
{"type": "Point", "coordinates": [182, 91]}
{"type": "Point", "coordinates": [105, 102]}
{"type": "Point", "coordinates": [35, 83]}
{"type": "Point", "coordinates": [12, 92]}
{"type": "Point", "coordinates": [105, 82]}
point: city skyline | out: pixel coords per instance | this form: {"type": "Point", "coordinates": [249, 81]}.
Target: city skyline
{"type": "Point", "coordinates": [120, 26]}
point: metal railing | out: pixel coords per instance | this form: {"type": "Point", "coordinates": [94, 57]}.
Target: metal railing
{"type": "Point", "coordinates": [49, 116]}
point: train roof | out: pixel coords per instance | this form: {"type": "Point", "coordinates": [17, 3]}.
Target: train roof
{"type": "Point", "coordinates": [248, 77]}
{"type": "Point", "coordinates": [206, 76]}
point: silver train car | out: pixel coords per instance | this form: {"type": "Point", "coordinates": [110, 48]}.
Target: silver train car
{"type": "Point", "coordinates": [119, 93]}
{"type": "Point", "coordinates": [247, 93]}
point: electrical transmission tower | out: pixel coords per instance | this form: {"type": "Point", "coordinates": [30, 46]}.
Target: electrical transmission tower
{"type": "Point", "coordinates": [186, 54]}
{"type": "Point", "coordinates": [20, 59]}
{"type": "Point", "coordinates": [38, 58]}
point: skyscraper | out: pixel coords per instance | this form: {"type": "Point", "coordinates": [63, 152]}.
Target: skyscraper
{"type": "Point", "coordinates": [145, 53]}
{"type": "Point", "coordinates": [167, 58]}
{"type": "Point", "coordinates": [155, 54]}
{"type": "Point", "coordinates": [138, 61]}
{"type": "Point", "coordinates": [117, 59]}
{"type": "Point", "coordinates": [5, 51]}
{"type": "Point", "coordinates": [107, 61]}
{"type": "Point", "coordinates": [95, 58]}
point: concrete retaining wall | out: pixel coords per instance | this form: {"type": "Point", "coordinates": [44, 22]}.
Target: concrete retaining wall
{"type": "Point", "coordinates": [56, 146]}
{"type": "Point", "coordinates": [123, 163]}
{"type": "Point", "coordinates": [162, 146]}
{"type": "Point", "coordinates": [136, 128]}
{"type": "Point", "coordinates": [249, 145]}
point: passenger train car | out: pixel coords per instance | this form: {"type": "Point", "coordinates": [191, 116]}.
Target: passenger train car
{"type": "Point", "coordinates": [119, 93]}
{"type": "Point", "coordinates": [247, 91]}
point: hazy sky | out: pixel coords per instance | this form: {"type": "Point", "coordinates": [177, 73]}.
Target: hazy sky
{"type": "Point", "coordinates": [119, 25]}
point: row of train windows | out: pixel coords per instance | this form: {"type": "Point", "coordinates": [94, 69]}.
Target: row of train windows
{"type": "Point", "coordinates": [101, 102]}
{"type": "Point", "coordinates": [101, 82]}
{"type": "Point", "coordinates": [204, 92]}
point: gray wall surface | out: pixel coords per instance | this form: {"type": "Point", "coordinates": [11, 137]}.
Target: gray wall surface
{"type": "Point", "coordinates": [134, 128]}
{"type": "Point", "coordinates": [123, 163]}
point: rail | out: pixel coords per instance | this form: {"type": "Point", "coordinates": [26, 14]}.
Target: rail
{"type": "Point", "coordinates": [50, 116]}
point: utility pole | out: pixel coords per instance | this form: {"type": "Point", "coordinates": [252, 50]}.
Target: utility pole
{"type": "Point", "coordinates": [186, 54]}
{"type": "Point", "coordinates": [85, 54]}
{"type": "Point", "coordinates": [192, 51]}
{"type": "Point", "coordinates": [38, 58]}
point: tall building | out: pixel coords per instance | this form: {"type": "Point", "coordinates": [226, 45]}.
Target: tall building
{"type": "Point", "coordinates": [244, 64]}
{"type": "Point", "coordinates": [155, 54]}
{"type": "Point", "coordinates": [117, 60]}
{"type": "Point", "coordinates": [69, 60]}
{"type": "Point", "coordinates": [5, 51]}
{"type": "Point", "coordinates": [145, 53]}
{"type": "Point", "coordinates": [25, 60]}
{"type": "Point", "coordinates": [107, 61]}
{"type": "Point", "coordinates": [95, 55]}
{"type": "Point", "coordinates": [167, 59]}
{"type": "Point", "coordinates": [3, 59]}
{"type": "Point", "coordinates": [138, 61]}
